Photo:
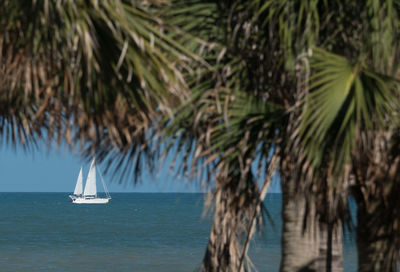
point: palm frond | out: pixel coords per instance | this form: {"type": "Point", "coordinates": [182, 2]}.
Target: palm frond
{"type": "Point", "coordinates": [344, 99]}
{"type": "Point", "coordinates": [86, 54]}
{"type": "Point", "coordinates": [89, 72]}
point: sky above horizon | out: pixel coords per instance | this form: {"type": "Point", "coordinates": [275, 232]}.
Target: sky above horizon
{"type": "Point", "coordinates": [56, 170]}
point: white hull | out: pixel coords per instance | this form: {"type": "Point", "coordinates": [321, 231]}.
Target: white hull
{"type": "Point", "coordinates": [72, 197]}
{"type": "Point", "coordinates": [82, 200]}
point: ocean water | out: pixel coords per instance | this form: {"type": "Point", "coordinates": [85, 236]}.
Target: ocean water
{"type": "Point", "coordinates": [134, 232]}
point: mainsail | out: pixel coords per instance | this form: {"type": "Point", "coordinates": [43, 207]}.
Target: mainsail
{"type": "Point", "coordinates": [78, 187]}
{"type": "Point", "coordinates": [90, 187]}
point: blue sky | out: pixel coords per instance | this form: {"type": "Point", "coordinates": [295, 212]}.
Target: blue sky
{"type": "Point", "coordinates": [56, 171]}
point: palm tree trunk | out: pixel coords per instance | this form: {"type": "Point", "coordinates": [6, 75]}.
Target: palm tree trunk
{"type": "Point", "coordinates": [300, 247]}
{"type": "Point", "coordinates": [377, 238]}
{"type": "Point", "coordinates": [377, 192]}
{"type": "Point", "coordinates": [315, 246]}
{"type": "Point", "coordinates": [222, 253]}
{"type": "Point", "coordinates": [331, 248]}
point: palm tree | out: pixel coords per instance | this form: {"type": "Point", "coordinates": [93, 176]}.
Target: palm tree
{"type": "Point", "coordinates": [261, 47]}
{"type": "Point", "coordinates": [364, 135]}
{"type": "Point", "coordinates": [213, 124]}
{"type": "Point", "coordinates": [280, 76]}
{"type": "Point", "coordinates": [352, 109]}
{"type": "Point", "coordinates": [96, 74]}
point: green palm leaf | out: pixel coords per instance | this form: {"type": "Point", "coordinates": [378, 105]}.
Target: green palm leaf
{"type": "Point", "coordinates": [344, 99]}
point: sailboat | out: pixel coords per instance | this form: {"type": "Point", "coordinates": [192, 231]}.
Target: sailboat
{"type": "Point", "coordinates": [89, 195]}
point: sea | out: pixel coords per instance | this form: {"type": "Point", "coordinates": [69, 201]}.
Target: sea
{"type": "Point", "coordinates": [154, 232]}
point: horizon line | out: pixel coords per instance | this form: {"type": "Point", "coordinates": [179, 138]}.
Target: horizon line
{"type": "Point", "coordinates": [119, 192]}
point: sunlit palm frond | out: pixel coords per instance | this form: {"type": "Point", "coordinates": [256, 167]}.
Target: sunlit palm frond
{"type": "Point", "coordinates": [344, 98]}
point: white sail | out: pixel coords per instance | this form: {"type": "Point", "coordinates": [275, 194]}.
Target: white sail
{"type": "Point", "coordinates": [90, 187]}
{"type": "Point", "coordinates": [78, 187]}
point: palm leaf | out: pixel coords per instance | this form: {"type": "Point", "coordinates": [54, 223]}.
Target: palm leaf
{"type": "Point", "coordinates": [89, 72]}
{"type": "Point", "coordinates": [344, 99]}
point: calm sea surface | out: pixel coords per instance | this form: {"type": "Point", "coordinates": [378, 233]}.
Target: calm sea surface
{"type": "Point", "coordinates": [134, 232]}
